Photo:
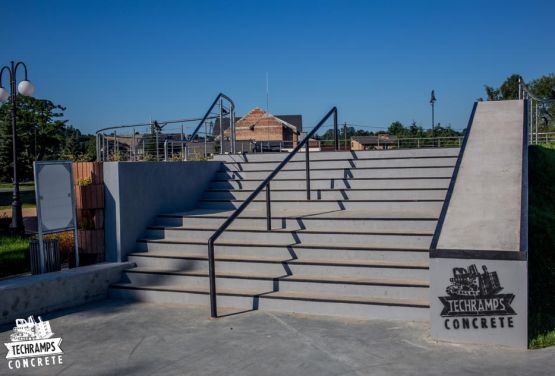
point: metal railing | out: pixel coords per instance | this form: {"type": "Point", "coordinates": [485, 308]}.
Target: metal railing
{"type": "Point", "coordinates": [223, 112]}
{"type": "Point", "coordinates": [264, 185]}
{"type": "Point", "coordinates": [541, 138]}
{"type": "Point", "coordinates": [537, 110]}
{"type": "Point", "coordinates": [149, 141]}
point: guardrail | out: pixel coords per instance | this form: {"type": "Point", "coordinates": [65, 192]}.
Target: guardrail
{"type": "Point", "coordinates": [145, 141]}
{"type": "Point", "coordinates": [264, 185]}
{"type": "Point", "coordinates": [537, 111]}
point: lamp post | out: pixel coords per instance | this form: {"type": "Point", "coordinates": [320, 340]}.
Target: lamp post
{"type": "Point", "coordinates": [432, 102]}
{"type": "Point", "coordinates": [25, 88]}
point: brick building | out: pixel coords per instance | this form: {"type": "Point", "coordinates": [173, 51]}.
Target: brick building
{"type": "Point", "coordinates": [261, 126]}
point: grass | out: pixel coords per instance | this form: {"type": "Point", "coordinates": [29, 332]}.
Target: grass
{"type": "Point", "coordinates": [10, 185]}
{"type": "Point", "coordinates": [14, 255]}
{"type": "Point", "coordinates": [25, 205]}
{"type": "Point", "coordinates": [541, 229]}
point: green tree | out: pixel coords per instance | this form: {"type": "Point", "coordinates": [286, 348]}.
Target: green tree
{"type": "Point", "coordinates": [544, 88]}
{"type": "Point", "coordinates": [42, 134]}
{"type": "Point", "coordinates": [397, 129]}
{"type": "Point", "coordinates": [507, 90]}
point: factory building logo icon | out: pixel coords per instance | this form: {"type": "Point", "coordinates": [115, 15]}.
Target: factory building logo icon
{"type": "Point", "coordinates": [476, 298]}
{"type": "Point", "coordinates": [32, 345]}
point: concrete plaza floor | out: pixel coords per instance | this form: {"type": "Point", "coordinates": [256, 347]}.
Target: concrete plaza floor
{"type": "Point", "coordinates": [114, 337]}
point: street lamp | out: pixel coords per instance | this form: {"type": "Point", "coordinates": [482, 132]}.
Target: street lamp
{"type": "Point", "coordinates": [432, 102]}
{"type": "Point", "coordinates": [24, 88]}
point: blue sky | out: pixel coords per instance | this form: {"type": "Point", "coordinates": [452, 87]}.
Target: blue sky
{"type": "Point", "coordinates": [117, 62]}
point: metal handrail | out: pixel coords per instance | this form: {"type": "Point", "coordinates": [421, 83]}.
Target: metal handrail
{"type": "Point", "coordinates": [220, 99]}
{"type": "Point", "coordinates": [523, 88]}
{"type": "Point", "coordinates": [183, 148]}
{"type": "Point", "coordinates": [533, 110]}
{"type": "Point", "coordinates": [264, 184]}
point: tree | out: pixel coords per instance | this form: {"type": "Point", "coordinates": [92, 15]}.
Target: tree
{"type": "Point", "coordinates": [397, 129]}
{"type": "Point", "coordinates": [543, 88]}
{"type": "Point", "coordinates": [42, 134]}
{"type": "Point", "coordinates": [507, 90]}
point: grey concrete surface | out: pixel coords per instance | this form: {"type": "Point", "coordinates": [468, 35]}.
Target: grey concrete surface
{"type": "Point", "coordinates": [485, 209]}
{"type": "Point", "coordinates": [513, 278]}
{"type": "Point", "coordinates": [121, 338]}
{"type": "Point", "coordinates": [38, 294]}
{"type": "Point", "coordinates": [136, 192]}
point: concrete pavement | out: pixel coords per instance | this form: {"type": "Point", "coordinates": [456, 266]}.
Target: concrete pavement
{"type": "Point", "coordinates": [117, 337]}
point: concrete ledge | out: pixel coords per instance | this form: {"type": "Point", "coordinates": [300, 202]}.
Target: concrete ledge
{"type": "Point", "coordinates": [39, 294]}
{"type": "Point", "coordinates": [135, 193]}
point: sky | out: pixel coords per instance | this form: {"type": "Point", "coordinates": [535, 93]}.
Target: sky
{"type": "Point", "coordinates": [121, 62]}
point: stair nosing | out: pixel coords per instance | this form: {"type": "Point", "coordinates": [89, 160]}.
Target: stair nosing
{"type": "Point", "coordinates": [342, 168]}
{"type": "Point", "coordinates": [330, 189]}
{"type": "Point", "coordinates": [316, 201]}
{"type": "Point", "coordinates": [263, 216]}
{"type": "Point", "coordinates": [349, 178]}
{"type": "Point", "coordinates": [288, 278]}
{"type": "Point", "coordinates": [354, 159]}
{"type": "Point", "coordinates": [312, 246]}
{"type": "Point", "coordinates": [262, 260]}
{"type": "Point", "coordinates": [315, 298]}
{"type": "Point", "coordinates": [285, 231]}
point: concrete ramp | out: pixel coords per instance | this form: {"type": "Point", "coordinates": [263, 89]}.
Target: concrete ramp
{"type": "Point", "coordinates": [484, 211]}
{"type": "Point", "coordinates": [478, 266]}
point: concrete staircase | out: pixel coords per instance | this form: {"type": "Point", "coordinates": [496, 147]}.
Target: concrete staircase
{"type": "Point", "coordinates": [358, 249]}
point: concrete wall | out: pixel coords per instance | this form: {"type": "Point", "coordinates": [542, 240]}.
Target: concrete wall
{"type": "Point", "coordinates": [137, 192]}
{"type": "Point", "coordinates": [39, 294]}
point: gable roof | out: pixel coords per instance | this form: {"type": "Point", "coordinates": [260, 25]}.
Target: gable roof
{"type": "Point", "coordinates": [295, 122]}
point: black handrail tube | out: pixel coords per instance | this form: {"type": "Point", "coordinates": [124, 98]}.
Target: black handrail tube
{"type": "Point", "coordinates": [239, 210]}
{"type": "Point", "coordinates": [221, 95]}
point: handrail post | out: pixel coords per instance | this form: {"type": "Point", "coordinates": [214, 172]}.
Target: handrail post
{"type": "Point", "coordinates": [307, 164]}
{"type": "Point", "coordinates": [335, 131]}
{"type": "Point", "coordinates": [221, 126]}
{"type": "Point", "coordinates": [212, 278]}
{"type": "Point", "coordinates": [268, 209]}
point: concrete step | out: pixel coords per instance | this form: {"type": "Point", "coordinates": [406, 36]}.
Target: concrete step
{"type": "Point", "coordinates": [360, 287]}
{"type": "Point", "coordinates": [343, 173]}
{"type": "Point", "coordinates": [385, 209]}
{"type": "Point", "coordinates": [285, 238]}
{"type": "Point", "coordinates": [330, 194]}
{"type": "Point", "coordinates": [257, 221]}
{"type": "Point", "coordinates": [341, 155]}
{"type": "Point", "coordinates": [298, 251]}
{"type": "Point", "coordinates": [317, 304]}
{"type": "Point", "coordinates": [337, 268]}
{"type": "Point", "coordinates": [344, 163]}
{"type": "Point", "coordinates": [334, 183]}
